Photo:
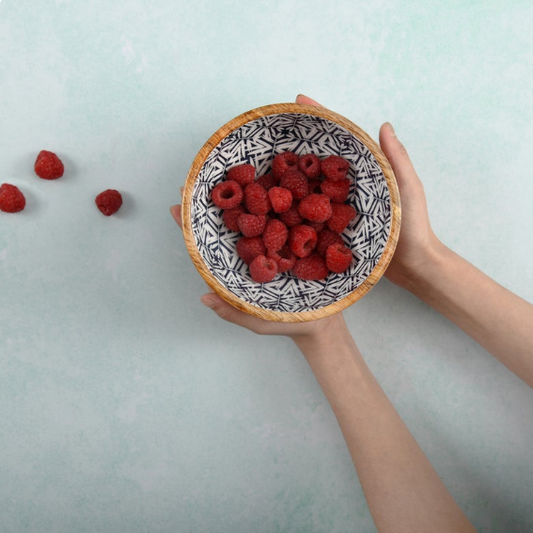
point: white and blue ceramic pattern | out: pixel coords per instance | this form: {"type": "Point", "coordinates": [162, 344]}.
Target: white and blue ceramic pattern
{"type": "Point", "coordinates": [256, 143]}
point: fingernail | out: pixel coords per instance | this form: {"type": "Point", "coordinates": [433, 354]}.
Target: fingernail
{"type": "Point", "coordinates": [391, 129]}
{"type": "Point", "coordinates": [173, 207]}
{"type": "Point", "coordinates": [181, 191]}
{"type": "Point", "coordinates": [208, 302]}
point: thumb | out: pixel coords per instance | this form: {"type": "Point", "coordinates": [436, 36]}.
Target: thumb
{"type": "Point", "coordinates": [227, 312]}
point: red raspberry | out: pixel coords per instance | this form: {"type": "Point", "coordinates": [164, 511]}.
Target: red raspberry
{"type": "Point", "coordinates": [291, 217]}
{"type": "Point", "coordinates": [313, 186]}
{"type": "Point", "coordinates": [280, 198]}
{"type": "Point", "coordinates": [267, 181]}
{"type": "Point", "coordinates": [337, 190]}
{"type": "Point", "coordinates": [338, 258]}
{"type": "Point", "coordinates": [256, 199]}
{"type": "Point", "coordinates": [335, 168]}
{"type": "Point", "coordinates": [251, 225]}
{"type": "Point", "coordinates": [275, 235]}
{"type": "Point", "coordinates": [317, 226]}
{"type": "Point", "coordinates": [109, 202]}
{"type": "Point", "coordinates": [250, 247]}
{"type": "Point", "coordinates": [284, 258]}
{"type": "Point", "coordinates": [263, 269]}
{"type": "Point", "coordinates": [341, 216]}
{"type": "Point", "coordinates": [227, 194]}
{"type": "Point", "coordinates": [302, 240]}
{"type": "Point", "coordinates": [230, 217]}
{"type": "Point", "coordinates": [309, 164]}
{"type": "Point", "coordinates": [48, 166]}
{"type": "Point", "coordinates": [325, 239]}
{"type": "Point", "coordinates": [315, 207]}
{"type": "Point", "coordinates": [296, 182]}
{"type": "Point", "coordinates": [283, 162]}
{"type": "Point", "coordinates": [242, 174]}
{"type": "Point", "coordinates": [11, 199]}
{"type": "Point", "coordinates": [311, 268]}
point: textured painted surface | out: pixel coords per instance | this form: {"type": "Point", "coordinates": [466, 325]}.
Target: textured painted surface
{"type": "Point", "coordinates": [125, 406]}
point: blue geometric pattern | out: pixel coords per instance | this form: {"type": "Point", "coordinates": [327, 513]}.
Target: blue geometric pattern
{"type": "Point", "coordinates": [257, 143]}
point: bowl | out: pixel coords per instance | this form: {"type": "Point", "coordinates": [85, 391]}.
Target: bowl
{"type": "Point", "coordinates": [256, 137]}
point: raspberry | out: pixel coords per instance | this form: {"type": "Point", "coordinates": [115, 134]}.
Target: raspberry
{"type": "Point", "coordinates": [109, 202]}
{"type": "Point", "coordinates": [263, 269]}
{"type": "Point", "coordinates": [256, 199]}
{"type": "Point", "coordinates": [311, 268]}
{"type": "Point", "coordinates": [275, 235]}
{"type": "Point", "coordinates": [341, 216]}
{"type": "Point", "coordinates": [242, 174]}
{"type": "Point", "coordinates": [338, 258]}
{"type": "Point", "coordinates": [302, 240]}
{"type": "Point", "coordinates": [309, 164]}
{"type": "Point", "coordinates": [291, 217]}
{"type": "Point", "coordinates": [280, 198]}
{"type": "Point", "coordinates": [315, 207]}
{"type": "Point", "coordinates": [250, 247]}
{"type": "Point", "coordinates": [251, 225]}
{"type": "Point", "coordinates": [335, 168]}
{"type": "Point", "coordinates": [48, 166]}
{"type": "Point", "coordinates": [11, 199]}
{"type": "Point", "coordinates": [283, 162]}
{"type": "Point", "coordinates": [325, 239]}
{"type": "Point", "coordinates": [227, 194]}
{"type": "Point", "coordinates": [317, 226]}
{"type": "Point", "coordinates": [337, 190]}
{"type": "Point", "coordinates": [267, 181]}
{"type": "Point", "coordinates": [230, 217]}
{"type": "Point", "coordinates": [284, 258]}
{"type": "Point", "coordinates": [313, 186]}
{"type": "Point", "coordinates": [296, 182]}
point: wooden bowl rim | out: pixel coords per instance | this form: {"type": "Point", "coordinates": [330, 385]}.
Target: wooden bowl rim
{"type": "Point", "coordinates": [349, 299]}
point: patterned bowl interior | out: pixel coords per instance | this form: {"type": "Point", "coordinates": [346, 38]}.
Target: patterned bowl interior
{"type": "Point", "coordinates": [256, 143]}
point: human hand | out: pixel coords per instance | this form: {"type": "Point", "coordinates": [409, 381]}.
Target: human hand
{"type": "Point", "coordinates": [305, 332]}
{"type": "Point", "coordinates": [417, 242]}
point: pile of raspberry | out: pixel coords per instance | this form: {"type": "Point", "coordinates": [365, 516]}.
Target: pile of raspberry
{"type": "Point", "coordinates": [291, 219]}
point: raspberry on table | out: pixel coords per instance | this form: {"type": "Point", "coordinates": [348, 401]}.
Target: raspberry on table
{"type": "Point", "coordinates": [11, 199]}
{"type": "Point", "coordinates": [283, 162]}
{"type": "Point", "coordinates": [335, 168]}
{"type": "Point", "coordinates": [263, 269]}
{"type": "Point", "coordinates": [267, 181]}
{"type": "Point", "coordinates": [315, 207]}
{"type": "Point", "coordinates": [291, 217]}
{"type": "Point", "coordinates": [227, 194]}
{"type": "Point", "coordinates": [275, 235]}
{"type": "Point", "coordinates": [296, 182]}
{"type": "Point", "coordinates": [230, 217]}
{"type": "Point", "coordinates": [251, 225]}
{"type": "Point", "coordinates": [311, 268]}
{"type": "Point", "coordinates": [309, 164]}
{"type": "Point", "coordinates": [109, 202]}
{"type": "Point", "coordinates": [341, 216]}
{"type": "Point", "coordinates": [280, 198]}
{"type": "Point", "coordinates": [302, 240]}
{"type": "Point", "coordinates": [48, 166]}
{"type": "Point", "coordinates": [256, 199]}
{"type": "Point", "coordinates": [338, 258]}
{"type": "Point", "coordinates": [242, 174]}
{"type": "Point", "coordinates": [325, 239]}
{"type": "Point", "coordinates": [250, 247]}
{"type": "Point", "coordinates": [336, 190]}
{"type": "Point", "coordinates": [284, 258]}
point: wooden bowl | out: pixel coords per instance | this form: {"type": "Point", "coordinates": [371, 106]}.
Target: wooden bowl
{"type": "Point", "coordinates": [256, 137]}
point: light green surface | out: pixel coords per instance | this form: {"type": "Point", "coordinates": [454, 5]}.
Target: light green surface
{"type": "Point", "coordinates": [126, 406]}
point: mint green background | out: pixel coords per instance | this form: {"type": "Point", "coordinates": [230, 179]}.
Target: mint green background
{"type": "Point", "coordinates": [125, 405]}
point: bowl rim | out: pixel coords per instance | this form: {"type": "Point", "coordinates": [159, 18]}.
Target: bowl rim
{"type": "Point", "coordinates": [302, 316]}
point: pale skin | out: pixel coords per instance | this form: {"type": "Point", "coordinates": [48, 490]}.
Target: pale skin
{"type": "Point", "coordinates": [403, 491]}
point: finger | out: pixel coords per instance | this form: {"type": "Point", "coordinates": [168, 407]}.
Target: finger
{"type": "Point", "coordinates": [175, 211]}
{"type": "Point", "coordinates": [230, 314]}
{"type": "Point", "coordinates": [302, 99]}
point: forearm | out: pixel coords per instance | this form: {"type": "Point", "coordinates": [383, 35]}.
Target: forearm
{"type": "Point", "coordinates": [403, 491]}
{"type": "Point", "coordinates": [493, 316]}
